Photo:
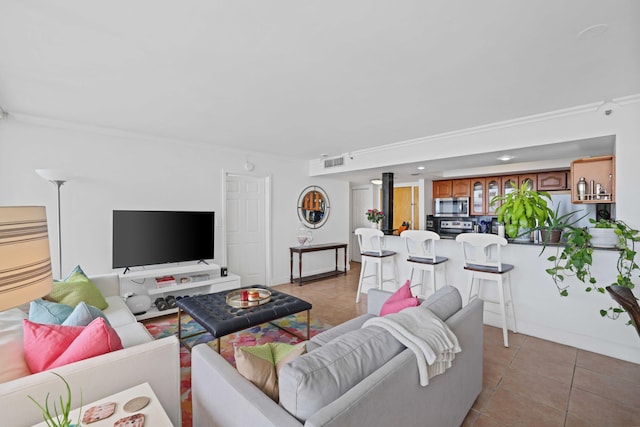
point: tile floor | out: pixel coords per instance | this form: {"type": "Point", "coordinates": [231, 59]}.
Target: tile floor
{"type": "Point", "coordinates": [532, 383]}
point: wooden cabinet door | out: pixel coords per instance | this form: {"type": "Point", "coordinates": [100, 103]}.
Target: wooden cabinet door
{"type": "Point", "coordinates": [478, 196]}
{"type": "Point", "coordinates": [461, 188]}
{"type": "Point", "coordinates": [442, 188]}
{"type": "Point", "coordinates": [492, 185]}
{"type": "Point", "coordinates": [556, 180]}
{"type": "Point", "coordinates": [531, 178]}
{"type": "Point", "coordinates": [508, 182]}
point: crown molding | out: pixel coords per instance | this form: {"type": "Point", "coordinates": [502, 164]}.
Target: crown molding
{"type": "Point", "coordinates": [129, 135]}
{"type": "Point", "coordinates": [573, 111]}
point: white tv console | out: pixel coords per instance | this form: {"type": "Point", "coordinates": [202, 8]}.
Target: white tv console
{"type": "Point", "coordinates": [143, 282]}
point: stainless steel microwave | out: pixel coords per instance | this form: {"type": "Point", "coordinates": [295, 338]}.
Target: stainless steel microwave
{"type": "Point", "coordinates": [451, 206]}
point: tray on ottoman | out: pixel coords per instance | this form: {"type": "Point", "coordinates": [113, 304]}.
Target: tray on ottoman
{"type": "Point", "coordinates": [218, 318]}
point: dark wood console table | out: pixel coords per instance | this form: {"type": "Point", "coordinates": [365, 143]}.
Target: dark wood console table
{"type": "Point", "coordinates": [315, 248]}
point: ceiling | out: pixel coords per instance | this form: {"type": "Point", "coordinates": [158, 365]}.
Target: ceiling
{"type": "Point", "coordinates": [306, 78]}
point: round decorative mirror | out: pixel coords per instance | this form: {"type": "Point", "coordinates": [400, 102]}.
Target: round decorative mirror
{"type": "Point", "coordinates": [313, 207]}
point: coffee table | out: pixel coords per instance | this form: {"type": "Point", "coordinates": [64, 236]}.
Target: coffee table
{"type": "Point", "coordinates": [219, 319]}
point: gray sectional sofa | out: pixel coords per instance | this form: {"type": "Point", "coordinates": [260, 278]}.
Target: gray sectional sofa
{"type": "Point", "coordinates": [351, 376]}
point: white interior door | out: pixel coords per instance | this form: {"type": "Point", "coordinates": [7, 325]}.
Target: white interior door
{"type": "Point", "coordinates": [361, 201]}
{"type": "Point", "coordinates": [246, 225]}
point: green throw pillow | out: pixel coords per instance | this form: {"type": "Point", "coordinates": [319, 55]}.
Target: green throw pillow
{"type": "Point", "coordinates": [77, 287]}
{"type": "Point", "coordinates": [260, 364]}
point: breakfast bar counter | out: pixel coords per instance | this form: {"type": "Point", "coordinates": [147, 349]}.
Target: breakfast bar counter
{"type": "Point", "coordinates": [540, 310]}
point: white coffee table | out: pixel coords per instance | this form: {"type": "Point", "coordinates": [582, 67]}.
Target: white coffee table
{"type": "Point", "coordinates": [154, 414]}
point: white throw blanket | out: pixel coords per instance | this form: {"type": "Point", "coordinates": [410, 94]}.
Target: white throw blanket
{"type": "Point", "coordinates": [426, 335]}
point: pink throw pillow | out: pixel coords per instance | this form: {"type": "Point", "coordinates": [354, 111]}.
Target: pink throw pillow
{"type": "Point", "coordinates": [403, 292]}
{"type": "Point", "coordinates": [396, 306]}
{"type": "Point", "coordinates": [50, 346]}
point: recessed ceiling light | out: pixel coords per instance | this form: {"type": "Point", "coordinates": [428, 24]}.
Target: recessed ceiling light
{"type": "Point", "coordinates": [376, 181]}
{"type": "Point", "coordinates": [420, 168]}
{"type": "Point", "coordinates": [593, 32]}
{"type": "Point", "coordinates": [506, 157]}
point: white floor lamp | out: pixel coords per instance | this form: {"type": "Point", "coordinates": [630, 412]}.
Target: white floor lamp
{"type": "Point", "coordinates": [57, 177]}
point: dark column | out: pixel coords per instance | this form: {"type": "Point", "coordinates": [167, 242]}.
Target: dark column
{"type": "Point", "coordinates": [387, 202]}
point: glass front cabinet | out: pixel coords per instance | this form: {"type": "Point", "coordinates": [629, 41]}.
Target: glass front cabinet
{"type": "Point", "coordinates": [483, 190]}
{"type": "Point", "coordinates": [493, 189]}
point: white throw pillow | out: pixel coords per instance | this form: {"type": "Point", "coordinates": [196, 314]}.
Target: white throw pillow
{"type": "Point", "coordinates": [12, 362]}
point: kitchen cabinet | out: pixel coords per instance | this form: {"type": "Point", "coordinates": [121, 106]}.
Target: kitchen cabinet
{"type": "Point", "coordinates": [461, 188]}
{"type": "Point", "coordinates": [555, 180]}
{"type": "Point", "coordinates": [483, 190]}
{"type": "Point", "coordinates": [452, 188]}
{"type": "Point", "coordinates": [442, 189]}
{"type": "Point", "coordinates": [601, 170]}
{"type": "Point", "coordinates": [493, 189]}
{"type": "Point", "coordinates": [478, 197]}
{"type": "Point", "coordinates": [518, 180]}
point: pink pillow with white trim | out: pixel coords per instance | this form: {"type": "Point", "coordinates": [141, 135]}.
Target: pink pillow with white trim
{"type": "Point", "coordinates": [50, 346]}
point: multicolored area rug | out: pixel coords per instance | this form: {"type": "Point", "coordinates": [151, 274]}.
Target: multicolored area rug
{"type": "Point", "coordinates": [261, 334]}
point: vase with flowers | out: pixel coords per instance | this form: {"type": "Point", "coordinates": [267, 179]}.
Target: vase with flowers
{"type": "Point", "coordinates": [374, 216]}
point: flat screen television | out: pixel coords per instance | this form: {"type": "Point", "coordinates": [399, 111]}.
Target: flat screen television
{"type": "Point", "coordinates": [159, 237]}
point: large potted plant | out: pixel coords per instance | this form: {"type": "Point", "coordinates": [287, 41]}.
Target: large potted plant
{"type": "Point", "coordinates": [522, 210]}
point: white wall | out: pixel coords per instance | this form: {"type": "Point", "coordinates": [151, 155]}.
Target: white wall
{"type": "Point", "coordinates": [115, 171]}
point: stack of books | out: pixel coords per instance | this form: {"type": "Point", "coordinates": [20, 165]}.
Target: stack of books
{"type": "Point", "coordinates": [163, 281]}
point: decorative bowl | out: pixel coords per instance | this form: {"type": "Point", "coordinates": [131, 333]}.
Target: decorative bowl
{"type": "Point", "coordinates": [234, 298]}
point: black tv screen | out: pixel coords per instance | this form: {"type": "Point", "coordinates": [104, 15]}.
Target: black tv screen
{"type": "Point", "coordinates": [158, 237]}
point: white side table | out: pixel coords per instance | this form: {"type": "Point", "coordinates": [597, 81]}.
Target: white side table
{"type": "Point", "coordinates": [154, 414]}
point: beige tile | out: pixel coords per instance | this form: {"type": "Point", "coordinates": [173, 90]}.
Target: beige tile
{"type": "Point", "coordinates": [485, 396]}
{"type": "Point", "coordinates": [492, 372]}
{"type": "Point", "coordinates": [537, 388]}
{"type": "Point", "coordinates": [545, 358]}
{"type": "Point", "coordinates": [608, 366]}
{"type": "Point", "coordinates": [470, 419]}
{"type": "Point", "coordinates": [573, 421]}
{"type": "Point", "coordinates": [514, 410]}
{"type": "Point", "coordinates": [553, 352]}
{"type": "Point", "coordinates": [485, 421]}
{"type": "Point", "coordinates": [621, 390]}
{"type": "Point", "coordinates": [599, 411]}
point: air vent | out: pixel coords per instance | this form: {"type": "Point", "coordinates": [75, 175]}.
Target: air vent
{"type": "Point", "coordinates": [338, 161]}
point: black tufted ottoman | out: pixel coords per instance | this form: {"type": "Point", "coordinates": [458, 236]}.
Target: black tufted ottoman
{"type": "Point", "coordinates": [219, 319]}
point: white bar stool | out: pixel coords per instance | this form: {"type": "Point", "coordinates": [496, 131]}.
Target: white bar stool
{"type": "Point", "coordinates": [421, 250]}
{"type": "Point", "coordinates": [370, 241]}
{"type": "Point", "coordinates": [481, 254]}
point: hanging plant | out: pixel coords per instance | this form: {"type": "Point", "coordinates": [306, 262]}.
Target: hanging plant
{"type": "Point", "coordinates": [575, 258]}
